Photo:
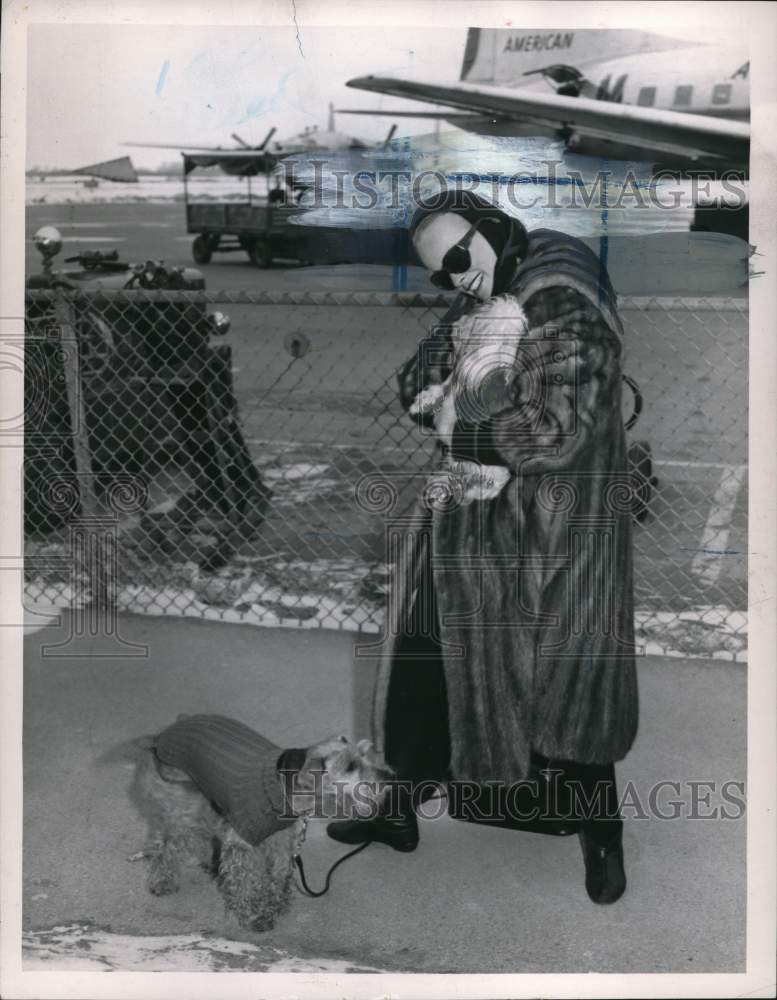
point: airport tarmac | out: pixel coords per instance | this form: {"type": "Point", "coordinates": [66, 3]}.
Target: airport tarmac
{"type": "Point", "coordinates": [671, 263]}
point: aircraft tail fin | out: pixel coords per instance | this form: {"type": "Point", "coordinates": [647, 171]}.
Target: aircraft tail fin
{"type": "Point", "coordinates": [502, 56]}
{"type": "Point", "coordinates": [120, 169]}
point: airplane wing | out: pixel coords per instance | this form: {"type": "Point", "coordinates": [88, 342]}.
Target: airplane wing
{"type": "Point", "coordinates": [673, 133]}
{"type": "Point", "coordinates": [232, 154]}
{"type": "Point", "coordinates": [237, 162]}
{"type": "Point", "coordinates": [176, 145]}
{"type": "Point", "coordinates": [463, 115]}
{"type": "Point", "coordinates": [194, 148]}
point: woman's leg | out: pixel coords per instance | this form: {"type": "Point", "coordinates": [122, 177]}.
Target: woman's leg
{"type": "Point", "coordinates": [417, 740]}
{"type": "Point", "coordinates": [417, 734]}
{"type": "Point", "coordinates": [595, 793]}
{"type": "Point", "coordinates": [601, 836]}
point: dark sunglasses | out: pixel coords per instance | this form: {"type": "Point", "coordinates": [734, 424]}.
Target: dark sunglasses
{"type": "Point", "coordinates": [457, 260]}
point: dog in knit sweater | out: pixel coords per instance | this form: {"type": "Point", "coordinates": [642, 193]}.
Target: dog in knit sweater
{"type": "Point", "coordinates": [218, 794]}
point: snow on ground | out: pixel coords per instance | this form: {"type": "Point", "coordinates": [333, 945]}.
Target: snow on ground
{"type": "Point", "coordinates": [702, 633]}
{"type": "Point", "coordinates": [63, 190]}
{"type": "Point", "coordinates": [84, 948]}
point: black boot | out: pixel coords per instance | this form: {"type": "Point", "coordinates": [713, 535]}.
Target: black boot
{"type": "Point", "coordinates": [401, 834]}
{"type": "Point", "coordinates": [605, 875]}
{"type": "Point", "coordinates": [601, 833]}
{"type": "Point", "coordinates": [396, 826]}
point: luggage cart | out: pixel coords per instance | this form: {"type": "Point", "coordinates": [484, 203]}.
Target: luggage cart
{"type": "Point", "coordinates": [268, 225]}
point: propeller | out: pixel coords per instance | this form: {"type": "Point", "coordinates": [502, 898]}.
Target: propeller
{"type": "Point", "coordinates": [569, 81]}
{"type": "Point", "coordinates": [267, 138]}
{"type": "Point", "coordinates": [257, 149]}
{"type": "Point", "coordinates": [558, 73]}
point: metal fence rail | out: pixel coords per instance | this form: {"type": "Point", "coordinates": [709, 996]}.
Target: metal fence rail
{"type": "Point", "coordinates": [227, 479]}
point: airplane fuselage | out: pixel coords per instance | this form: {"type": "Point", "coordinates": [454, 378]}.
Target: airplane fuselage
{"type": "Point", "coordinates": [699, 80]}
{"type": "Point", "coordinates": [313, 141]}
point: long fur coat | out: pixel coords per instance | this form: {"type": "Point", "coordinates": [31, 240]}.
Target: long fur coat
{"type": "Point", "coordinates": [525, 532]}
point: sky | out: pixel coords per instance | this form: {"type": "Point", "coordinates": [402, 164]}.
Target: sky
{"type": "Point", "coordinates": [92, 87]}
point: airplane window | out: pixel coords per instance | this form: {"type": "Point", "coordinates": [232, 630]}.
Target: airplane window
{"type": "Point", "coordinates": [646, 97]}
{"type": "Point", "coordinates": [682, 95]}
{"type": "Point", "coordinates": [721, 93]}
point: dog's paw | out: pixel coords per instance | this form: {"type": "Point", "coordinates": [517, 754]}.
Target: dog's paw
{"type": "Point", "coordinates": [163, 886]}
{"type": "Point", "coordinates": [429, 400]}
{"type": "Point", "coordinates": [148, 852]}
{"type": "Point", "coordinates": [262, 923]}
{"type": "Point", "coordinates": [139, 856]}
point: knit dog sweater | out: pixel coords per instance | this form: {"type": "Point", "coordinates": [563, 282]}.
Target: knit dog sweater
{"type": "Point", "coordinates": [235, 768]}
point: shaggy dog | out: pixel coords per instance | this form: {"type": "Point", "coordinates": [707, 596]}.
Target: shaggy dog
{"type": "Point", "coordinates": [485, 347]}
{"type": "Point", "coordinates": [216, 793]}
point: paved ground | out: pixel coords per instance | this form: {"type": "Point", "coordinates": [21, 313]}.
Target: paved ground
{"type": "Point", "coordinates": [658, 264]}
{"type": "Point", "coordinates": [468, 900]}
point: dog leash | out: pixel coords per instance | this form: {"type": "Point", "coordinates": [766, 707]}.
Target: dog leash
{"type": "Point", "coordinates": [301, 868]}
{"type": "Point", "coordinates": [311, 892]}
{"type": "Point", "coordinates": [297, 858]}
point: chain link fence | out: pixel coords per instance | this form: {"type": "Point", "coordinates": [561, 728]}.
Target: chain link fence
{"type": "Point", "coordinates": [173, 471]}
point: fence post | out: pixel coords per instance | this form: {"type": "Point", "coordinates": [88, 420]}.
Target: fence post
{"type": "Point", "coordinates": [90, 524]}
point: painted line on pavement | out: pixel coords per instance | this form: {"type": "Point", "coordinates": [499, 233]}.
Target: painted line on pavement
{"type": "Point", "coordinates": [85, 225]}
{"type": "Point", "coordinates": [687, 464]}
{"type": "Point", "coordinates": [92, 239]}
{"type": "Point", "coordinates": [708, 561]}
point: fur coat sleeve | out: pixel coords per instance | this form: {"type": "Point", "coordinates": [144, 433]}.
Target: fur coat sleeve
{"type": "Point", "coordinates": [566, 365]}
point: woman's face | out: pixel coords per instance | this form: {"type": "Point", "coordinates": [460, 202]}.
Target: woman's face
{"type": "Point", "coordinates": [435, 237]}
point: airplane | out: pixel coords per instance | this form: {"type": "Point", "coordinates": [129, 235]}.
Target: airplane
{"type": "Point", "coordinates": [251, 160]}
{"type": "Point", "coordinates": [612, 93]}
{"type": "Point", "coordinates": [310, 140]}
{"type": "Point", "coordinates": [245, 160]}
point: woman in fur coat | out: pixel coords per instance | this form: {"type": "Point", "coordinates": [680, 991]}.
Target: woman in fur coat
{"type": "Point", "coordinates": [509, 670]}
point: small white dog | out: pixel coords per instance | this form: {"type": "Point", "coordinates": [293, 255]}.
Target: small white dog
{"type": "Point", "coordinates": [485, 348]}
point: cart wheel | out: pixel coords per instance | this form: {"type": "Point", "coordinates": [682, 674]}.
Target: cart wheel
{"type": "Point", "coordinates": [640, 459]}
{"type": "Point", "coordinates": [260, 254]}
{"type": "Point", "coordinates": [202, 251]}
